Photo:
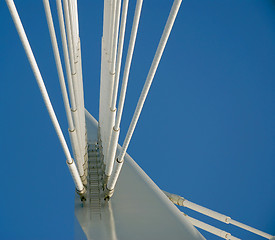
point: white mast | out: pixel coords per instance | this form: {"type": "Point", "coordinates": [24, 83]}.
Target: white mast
{"type": "Point", "coordinates": [139, 209]}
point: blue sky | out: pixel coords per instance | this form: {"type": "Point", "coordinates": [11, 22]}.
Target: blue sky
{"type": "Point", "coordinates": [207, 128]}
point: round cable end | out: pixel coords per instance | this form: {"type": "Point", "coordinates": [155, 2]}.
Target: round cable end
{"type": "Point", "coordinates": [81, 193]}
{"type": "Point", "coordinates": [108, 194]}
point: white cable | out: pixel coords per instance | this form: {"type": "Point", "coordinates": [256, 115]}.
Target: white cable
{"type": "Point", "coordinates": [115, 129]}
{"type": "Point", "coordinates": [250, 229]}
{"type": "Point", "coordinates": [112, 31]}
{"type": "Point", "coordinates": [72, 132]}
{"type": "Point", "coordinates": [82, 107]}
{"type": "Point", "coordinates": [106, 85]}
{"type": "Point", "coordinates": [41, 85]}
{"type": "Point", "coordinates": [80, 132]}
{"type": "Point", "coordinates": [66, 54]}
{"type": "Point", "coordinates": [178, 200]}
{"type": "Point", "coordinates": [115, 38]}
{"type": "Point", "coordinates": [73, 27]}
{"type": "Point", "coordinates": [78, 65]}
{"type": "Point", "coordinates": [78, 68]}
{"type": "Point", "coordinates": [74, 109]}
{"type": "Point", "coordinates": [73, 23]}
{"type": "Point", "coordinates": [115, 133]}
{"type": "Point", "coordinates": [106, 25]}
{"type": "Point", "coordinates": [119, 161]}
{"type": "Point", "coordinates": [128, 63]}
{"type": "Point", "coordinates": [114, 139]}
{"type": "Point", "coordinates": [211, 229]}
{"type": "Point", "coordinates": [119, 52]}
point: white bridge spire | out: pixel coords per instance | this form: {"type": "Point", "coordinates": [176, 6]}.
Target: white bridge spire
{"type": "Point", "coordinates": [113, 204]}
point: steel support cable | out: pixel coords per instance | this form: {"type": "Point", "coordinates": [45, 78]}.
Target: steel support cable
{"type": "Point", "coordinates": [165, 35]}
{"type": "Point", "coordinates": [70, 22]}
{"type": "Point", "coordinates": [74, 109]}
{"type": "Point", "coordinates": [69, 29]}
{"type": "Point", "coordinates": [81, 85]}
{"type": "Point", "coordinates": [73, 23]}
{"type": "Point", "coordinates": [178, 200]}
{"type": "Point", "coordinates": [115, 133]}
{"type": "Point", "coordinates": [119, 52]}
{"type": "Point", "coordinates": [82, 108]}
{"type": "Point", "coordinates": [112, 30]}
{"type": "Point", "coordinates": [128, 63]}
{"type": "Point", "coordinates": [106, 85]}
{"type": "Point", "coordinates": [71, 81]}
{"type": "Point", "coordinates": [66, 54]}
{"type": "Point", "coordinates": [108, 79]}
{"type": "Point", "coordinates": [72, 131]}
{"type": "Point", "coordinates": [74, 76]}
{"type": "Point", "coordinates": [250, 229]}
{"type": "Point", "coordinates": [21, 32]}
{"type": "Point", "coordinates": [72, 7]}
{"type": "Point", "coordinates": [106, 24]}
{"type": "Point", "coordinates": [73, 4]}
{"type": "Point", "coordinates": [115, 130]}
{"type": "Point", "coordinates": [115, 38]}
{"type": "Point", "coordinates": [78, 68]}
{"type": "Point", "coordinates": [76, 17]}
{"type": "Point", "coordinates": [72, 26]}
{"type": "Point", "coordinates": [211, 229]}
{"type": "Point", "coordinates": [113, 142]}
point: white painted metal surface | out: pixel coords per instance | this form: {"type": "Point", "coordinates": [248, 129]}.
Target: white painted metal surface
{"type": "Point", "coordinates": [138, 209]}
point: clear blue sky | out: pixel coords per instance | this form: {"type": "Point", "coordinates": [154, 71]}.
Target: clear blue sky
{"type": "Point", "coordinates": [206, 132]}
